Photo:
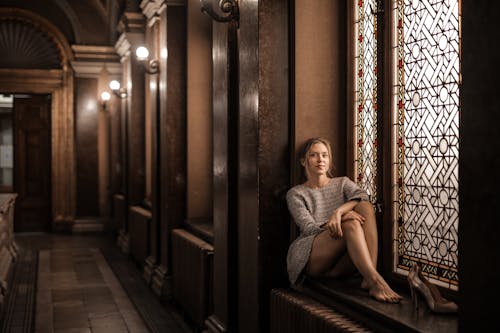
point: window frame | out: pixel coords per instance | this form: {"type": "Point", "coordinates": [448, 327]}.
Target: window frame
{"type": "Point", "coordinates": [386, 102]}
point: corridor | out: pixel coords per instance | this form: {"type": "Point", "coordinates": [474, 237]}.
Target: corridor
{"type": "Point", "coordinates": [148, 149]}
{"type": "Point", "coordinates": [81, 283]}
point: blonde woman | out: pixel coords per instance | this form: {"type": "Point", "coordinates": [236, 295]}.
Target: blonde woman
{"type": "Point", "coordinates": [338, 233]}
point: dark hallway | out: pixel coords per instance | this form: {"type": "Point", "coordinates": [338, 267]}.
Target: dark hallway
{"type": "Point", "coordinates": [249, 166]}
{"type": "Point", "coordinates": [81, 283]}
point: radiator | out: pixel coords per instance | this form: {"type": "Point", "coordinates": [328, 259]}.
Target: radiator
{"type": "Point", "coordinates": [139, 221]}
{"type": "Point", "coordinates": [192, 275]}
{"type": "Point", "coordinates": [293, 312]}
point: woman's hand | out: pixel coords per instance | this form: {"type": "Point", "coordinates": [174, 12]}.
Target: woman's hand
{"type": "Point", "coordinates": [334, 226]}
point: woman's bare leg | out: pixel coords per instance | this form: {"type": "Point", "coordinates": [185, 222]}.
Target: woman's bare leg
{"type": "Point", "coordinates": [326, 251]}
{"type": "Point", "coordinates": [360, 256]}
{"type": "Point", "coordinates": [344, 265]}
{"type": "Point", "coordinates": [365, 209]}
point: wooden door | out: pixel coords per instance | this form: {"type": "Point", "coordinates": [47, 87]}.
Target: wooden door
{"type": "Point", "coordinates": [32, 163]}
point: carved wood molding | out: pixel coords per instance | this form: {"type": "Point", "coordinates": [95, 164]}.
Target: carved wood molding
{"type": "Point", "coordinates": [36, 81]}
{"type": "Point", "coordinates": [59, 84]}
{"type": "Point", "coordinates": [45, 26]}
{"type": "Point", "coordinates": [90, 60]}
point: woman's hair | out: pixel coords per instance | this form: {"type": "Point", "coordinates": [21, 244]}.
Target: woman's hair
{"type": "Point", "coordinates": [305, 149]}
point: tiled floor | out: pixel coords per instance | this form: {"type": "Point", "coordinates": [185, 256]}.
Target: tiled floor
{"type": "Point", "coordinates": [77, 291]}
{"type": "Point", "coordinates": [84, 284]}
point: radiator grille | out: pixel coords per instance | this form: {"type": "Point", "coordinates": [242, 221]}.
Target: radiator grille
{"type": "Point", "coordinates": [192, 275]}
{"type": "Point", "coordinates": [292, 312]}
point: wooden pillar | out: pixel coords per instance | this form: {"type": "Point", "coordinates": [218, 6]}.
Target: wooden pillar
{"type": "Point", "coordinates": [225, 110]}
{"type": "Point", "coordinates": [171, 200]}
{"type": "Point", "coordinates": [263, 151]}
{"type": "Point", "coordinates": [152, 10]}
{"type": "Point", "coordinates": [479, 145]}
{"type": "Point", "coordinates": [132, 36]}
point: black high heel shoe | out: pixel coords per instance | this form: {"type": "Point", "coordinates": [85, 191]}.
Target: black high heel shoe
{"type": "Point", "coordinates": [420, 285]}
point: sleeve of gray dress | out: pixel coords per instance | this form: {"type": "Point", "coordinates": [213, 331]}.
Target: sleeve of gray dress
{"type": "Point", "coordinates": [300, 214]}
{"type": "Point", "coordinates": [352, 191]}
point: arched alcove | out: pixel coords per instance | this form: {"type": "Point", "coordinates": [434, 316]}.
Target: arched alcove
{"type": "Point", "coordinates": [23, 45]}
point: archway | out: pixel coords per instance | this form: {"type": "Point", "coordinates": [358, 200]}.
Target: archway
{"type": "Point", "coordinates": [59, 83]}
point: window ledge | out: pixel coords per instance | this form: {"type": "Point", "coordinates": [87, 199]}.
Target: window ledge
{"type": "Point", "coordinates": [346, 296]}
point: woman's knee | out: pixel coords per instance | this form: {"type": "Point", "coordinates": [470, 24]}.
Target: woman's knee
{"type": "Point", "coordinates": [351, 225]}
{"type": "Point", "coordinates": [365, 208]}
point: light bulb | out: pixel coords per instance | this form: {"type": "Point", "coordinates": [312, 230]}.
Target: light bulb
{"type": "Point", "coordinates": [105, 96]}
{"type": "Point", "coordinates": [142, 53]}
{"type": "Point", "coordinates": [114, 85]}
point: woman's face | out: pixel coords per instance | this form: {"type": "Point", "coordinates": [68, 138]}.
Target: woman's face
{"type": "Point", "coordinates": [317, 160]}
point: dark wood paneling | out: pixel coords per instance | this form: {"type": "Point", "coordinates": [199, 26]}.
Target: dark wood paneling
{"type": "Point", "coordinates": [219, 320]}
{"type": "Point", "coordinates": [32, 164]}
{"type": "Point", "coordinates": [264, 170]}
{"type": "Point", "coordinates": [116, 158]}
{"type": "Point", "coordinates": [248, 232]}
{"type": "Point", "coordinates": [172, 131]}
{"type": "Point", "coordinates": [119, 212]}
{"type": "Point", "coordinates": [86, 111]}
{"type": "Point", "coordinates": [154, 127]}
{"type": "Point", "coordinates": [135, 133]}
{"type": "Point", "coordinates": [274, 146]}
{"type": "Point", "coordinates": [479, 161]}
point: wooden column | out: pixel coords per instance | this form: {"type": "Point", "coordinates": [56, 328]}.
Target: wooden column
{"type": "Point", "coordinates": [171, 133]}
{"type": "Point", "coordinates": [478, 228]}
{"type": "Point", "coordinates": [224, 271]}
{"type": "Point", "coordinates": [132, 27]}
{"type": "Point", "coordinates": [263, 152]}
{"type": "Point", "coordinates": [152, 10]}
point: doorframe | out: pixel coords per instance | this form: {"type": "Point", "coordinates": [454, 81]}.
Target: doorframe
{"type": "Point", "coordinates": [58, 83]}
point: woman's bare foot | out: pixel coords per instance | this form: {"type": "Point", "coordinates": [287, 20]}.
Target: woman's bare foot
{"type": "Point", "coordinates": [381, 291]}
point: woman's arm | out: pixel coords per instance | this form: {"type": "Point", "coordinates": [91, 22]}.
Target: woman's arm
{"type": "Point", "coordinates": [343, 213]}
{"type": "Point", "coordinates": [300, 214]}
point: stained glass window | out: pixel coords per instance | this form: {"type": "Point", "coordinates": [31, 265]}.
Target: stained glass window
{"type": "Point", "coordinates": [426, 99]}
{"type": "Point", "coordinates": [365, 120]}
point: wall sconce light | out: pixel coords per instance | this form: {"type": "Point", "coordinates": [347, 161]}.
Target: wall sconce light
{"type": "Point", "coordinates": [117, 89]}
{"type": "Point", "coordinates": [105, 96]}
{"type": "Point", "coordinates": [150, 66]}
{"type": "Point", "coordinates": [228, 7]}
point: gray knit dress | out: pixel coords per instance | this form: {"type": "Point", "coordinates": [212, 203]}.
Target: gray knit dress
{"type": "Point", "coordinates": [311, 209]}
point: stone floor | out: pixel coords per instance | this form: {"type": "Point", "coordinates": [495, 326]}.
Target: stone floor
{"type": "Point", "coordinates": [81, 283]}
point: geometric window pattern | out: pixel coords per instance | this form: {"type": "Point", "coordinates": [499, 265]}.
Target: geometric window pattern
{"type": "Point", "coordinates": [365, 120]}
{"type": "Point", "coordinates": [427, 147]}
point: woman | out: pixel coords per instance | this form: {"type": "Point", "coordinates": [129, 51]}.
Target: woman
{"type": "Point", "coordinates": [338, 232]}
